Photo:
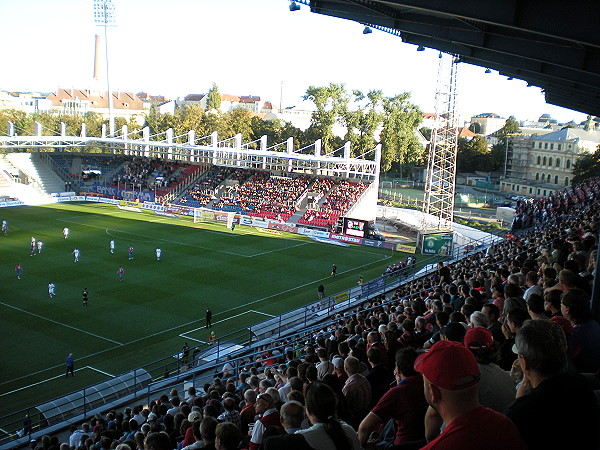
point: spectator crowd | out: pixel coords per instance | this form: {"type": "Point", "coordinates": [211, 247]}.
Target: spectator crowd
{"type": "Point", "coordinates": [499, 350]}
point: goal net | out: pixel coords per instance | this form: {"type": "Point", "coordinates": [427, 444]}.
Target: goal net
{"type": "Point", "coordinates": [205, 215]}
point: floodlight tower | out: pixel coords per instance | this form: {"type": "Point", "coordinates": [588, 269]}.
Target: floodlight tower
{"type": "Point", "coordinates": [104, 16]}
{"type": "Point", "coordinates": [441, 170]}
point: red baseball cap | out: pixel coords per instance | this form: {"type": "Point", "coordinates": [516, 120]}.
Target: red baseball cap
{"type": "Point", "coordinates": [449, 365]}
{"type": "Point", "coordinates": [479, 337]}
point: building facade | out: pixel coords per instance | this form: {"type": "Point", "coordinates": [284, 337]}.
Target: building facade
{"type": "Point", "coordinates": [539, 165]}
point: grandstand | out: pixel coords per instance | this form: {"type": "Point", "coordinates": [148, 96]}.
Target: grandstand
{"type": "Point", "coordinates": [409, 305]}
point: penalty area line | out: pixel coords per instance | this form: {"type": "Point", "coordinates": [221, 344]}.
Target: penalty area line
{"type": "Point", "coordinates": [61, 324]}
{"type": "Point", "coordinates": [260, 312]}
{"type": "Point", "coordinates": [185, 334]}
{"type": "Point", "coordinates": [50, 379]}
{"type": "Point", "coordinates": [98, 370]}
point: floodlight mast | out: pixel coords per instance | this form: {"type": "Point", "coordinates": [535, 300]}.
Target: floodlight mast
{"type": "Point", "coordinates": [104, 15]}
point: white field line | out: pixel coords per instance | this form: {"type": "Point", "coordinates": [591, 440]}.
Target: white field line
{"type": "Point", "coordinates": [102, 372]}
{"type": "Point", "coordinates": [185, 334]}
{"type": "Point", "coordinates": [280, 249]}
{"type": "Point", "coordinates": [61, 324]}
{"type": "Point", "coordinates": [3, 394]}
{"type": "Point", "coordinates": [154, 238]}
{"type": "Point", "coordinates": [195, 321]}
{"type": "Point", "coordinates": [303, 285]}
{"type": "Point", "coordinates": [260, 312]}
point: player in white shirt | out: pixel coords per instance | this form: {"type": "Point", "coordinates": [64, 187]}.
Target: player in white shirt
{"type": "Point", "coordinates": [51, 290]}
{"type": "Point", "coordinates": [112, 246]}
{"type": "Point", "coordinates": [158, 253]}
{"type": "Point", "coordinates": [65, 232]}
{"type": "Point", "coordinates": [76, 255]}
{"type": "Point", "coordinates": [40, 244]}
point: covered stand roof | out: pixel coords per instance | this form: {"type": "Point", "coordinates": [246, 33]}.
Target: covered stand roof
{"type": "Point", "coordinates": [552, 44]}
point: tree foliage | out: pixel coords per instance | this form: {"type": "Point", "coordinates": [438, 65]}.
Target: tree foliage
{"type": "Point", "coordinates": [367, 119]}
{"type": "Point", "coordinates": [511, 126]}
{"type": "Point", "coordinates": [586, 166]}
{"type": "Point", "coordinates": [473, 155]}
{"type": "Point", "coordinates": [398, 139]}
{"type": "Point", "coordinates": [213, 102]}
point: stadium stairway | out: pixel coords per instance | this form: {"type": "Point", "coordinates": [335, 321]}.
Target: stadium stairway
{"type": "Point", "coordinates": [30, 164]}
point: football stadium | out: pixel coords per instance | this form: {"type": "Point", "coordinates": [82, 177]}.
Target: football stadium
{"type": "Point", "coordinates": [160, 282]}
{"type": "Point", "coordinates": [163, 291]}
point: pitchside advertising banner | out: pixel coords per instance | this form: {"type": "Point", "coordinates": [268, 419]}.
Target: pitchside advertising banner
{"type": "Point", "coordinates": [405, 248]}
{"type": "Point", "coordinates": [143, 196]}
{"type": "Point", "coordinates": [344, 238]}
{"type": "Point", "coordinates": [243, 220]}
{"type": "Point", "coordinates": [437, 244]}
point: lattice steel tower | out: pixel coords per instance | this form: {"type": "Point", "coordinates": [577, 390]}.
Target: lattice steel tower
{"type": "Point", "coordinates": [441, 169]}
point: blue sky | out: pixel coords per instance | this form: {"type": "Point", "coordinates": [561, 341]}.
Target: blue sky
{"type": "Point", "coordinates": [178, 47]}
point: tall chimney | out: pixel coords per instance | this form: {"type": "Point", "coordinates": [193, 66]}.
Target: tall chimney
{"type": "Point", "coordinates": [97, 58]}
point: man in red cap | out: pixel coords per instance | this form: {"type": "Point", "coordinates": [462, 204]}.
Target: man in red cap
{"type": "Point", "coordinates": [450, 379]}
{"type": "Point", "coordinates": [496, 386]}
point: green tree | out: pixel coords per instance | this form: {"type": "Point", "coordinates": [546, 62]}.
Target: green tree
{"type": "Point", "coordinates": [330, 101]}
{"type": "Point", "coordinates": [475, 128]}
{"type": "Point", "coordinates": [511, 126]}
{"type": "Point", "coordinates": [586, 166]}
{"type": "Point", "coordinates": [362, 121]}
{"type": "Point", "coordinates": [399, 142]}
{"type": "Point", "coordinates": [473, 155]}
{"type": "Point", "coordinates": [213, 102]}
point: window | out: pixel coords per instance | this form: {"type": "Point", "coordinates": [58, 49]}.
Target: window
{"type": "Point", "coordinates": [531, 190]}
{"type": "Point", "coordinates": [568, 163]}
{"type": "Point", "coordinates": [550, 161]}
{"type": "Point", "coordinates": [533, 145]}
{"type": "Point", "coordinates": [557, 162]}
{"type": "Point", "coordinates": [556, 179]}
{"type": "Point", "coordinates": [546, 146]}
{"type": "Point", "coordinates": [545, 192]}
{"type": "Point", "coordinates": [551, 146]}
{"type": "Point", "coordinates": [537, 176]}
{"type": "Point", "coordinates": [539, 159]}
{"type": "Point", "coordinates": [544, 161]}
{"type": "Point", "coordinates": [543, 177]}
{"type": "Point", "coordinates": [560, 146]}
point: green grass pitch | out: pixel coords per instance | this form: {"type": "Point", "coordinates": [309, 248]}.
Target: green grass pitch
{"type": "Point", "coordinates": [243, 278]}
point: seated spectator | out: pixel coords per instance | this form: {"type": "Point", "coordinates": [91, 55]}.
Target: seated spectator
{"type": "Point", "coordinates": [454, 331]}
{"type": "Point", "coordinates": [379, 376]}
{"type": "Point", "coordinates": [327, 431]}
{"type": "Point", "coordinates": [292, 415]}
{"type": "Point", "coordinates": [535, 307]}
{"type": "Point", "coordinates": [157, 441]}
{"type": "Point", "coordinates": [493, 314]}
{"type": "Point", "coordinates": [549, 395]}
{"type": "Point", "coordinates": [268, 416]}
{"type": "Point", "coordinates": [404, 403]}
{"type": "Point", "coordinates": [586, 331]}
{"type": "Point", "coordinates": [227, 436]}
{"type": "Point", "coordinates": [357, 391]}
{"type": "Point", "coordinates": [450, 377]}
{"type": "Point", "coordinates": [231, 414]}
{"type": "Point", "coordinates": [248, 412]}
{"type": "Point", "coordinates": [512, 299]}
{"type": "Point", "coordinates": [496, 387]}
